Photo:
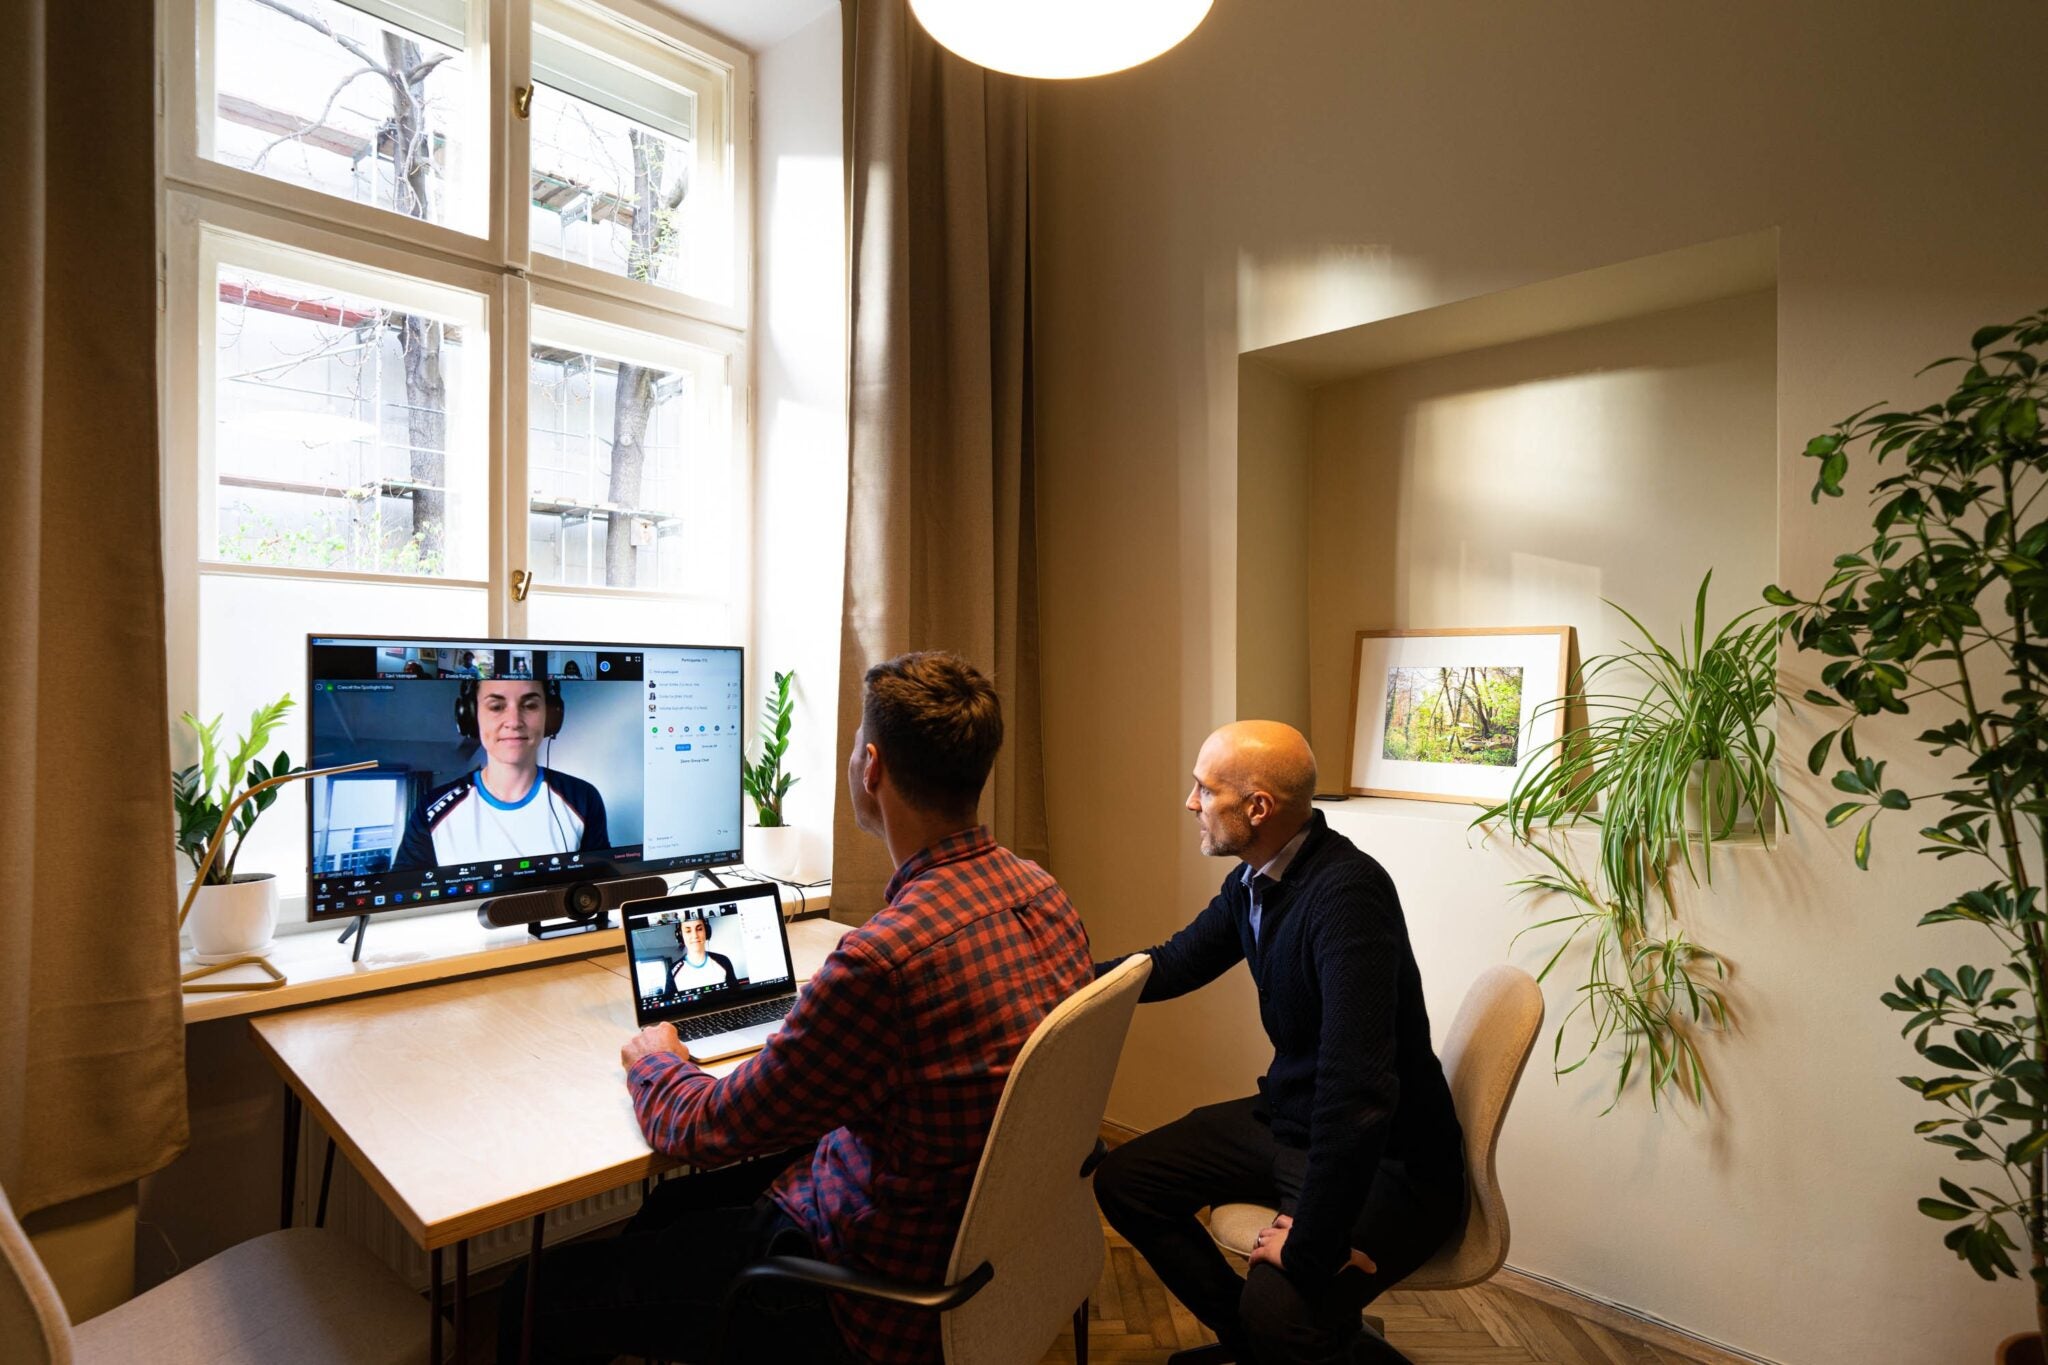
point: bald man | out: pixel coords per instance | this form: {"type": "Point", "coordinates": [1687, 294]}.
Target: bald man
{"type": "Point", "coordinates": [1352, 1135]}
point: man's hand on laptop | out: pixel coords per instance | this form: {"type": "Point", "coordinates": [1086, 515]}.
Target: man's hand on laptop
{"type": "Point", "coordinates": [655, 1038]}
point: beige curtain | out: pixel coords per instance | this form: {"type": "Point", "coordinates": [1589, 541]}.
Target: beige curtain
{"type": "Point", "coordinates": [941, 549]}
{"type": "Point", "coordinates": [92, 1042]}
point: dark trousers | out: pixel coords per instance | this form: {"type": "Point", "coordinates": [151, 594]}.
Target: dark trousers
{"type": "Point", "coordinates": [657, 1289]}
{"type": "Point", "coordinates": [1151, 1187]}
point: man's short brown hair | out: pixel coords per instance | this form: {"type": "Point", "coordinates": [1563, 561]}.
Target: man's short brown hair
{"type": "Point", "coordinates": [938, 725]}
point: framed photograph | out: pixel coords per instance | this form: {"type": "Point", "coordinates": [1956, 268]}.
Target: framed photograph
{"type": "Point", "coordinates": [1453, 715]}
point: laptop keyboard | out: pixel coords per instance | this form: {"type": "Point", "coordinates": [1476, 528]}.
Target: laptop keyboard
{"type": "Point", "coordinates": [728, 1021]}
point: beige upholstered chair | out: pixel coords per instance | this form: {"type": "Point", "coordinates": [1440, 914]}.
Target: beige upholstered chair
{"type": "Point", "coordinates": [1030, 1244]}
{"type": "Point", "coordinates": [1483, 1056]}
{"type": "Point", "coordinates": [301, 1295]}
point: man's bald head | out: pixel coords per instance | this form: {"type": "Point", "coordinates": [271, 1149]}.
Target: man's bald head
{"type": "Point", "coordinates": [1268, 756]}
{"type": "Point", "coordinates": [1254, 780]}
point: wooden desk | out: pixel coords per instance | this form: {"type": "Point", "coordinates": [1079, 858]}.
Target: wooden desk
{"type": "Point", "coordinates": [474, 1104]}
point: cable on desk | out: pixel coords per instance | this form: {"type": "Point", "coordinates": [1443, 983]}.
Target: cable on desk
{"type": "Point", "coordinates": [803, 901]}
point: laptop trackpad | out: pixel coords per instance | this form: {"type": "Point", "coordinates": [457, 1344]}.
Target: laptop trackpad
{"type": "Point", "coordinates": [721, 1045]}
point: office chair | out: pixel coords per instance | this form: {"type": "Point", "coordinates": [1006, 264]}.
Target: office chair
{"type": "Point", "coordinates": [1030, 1242]}
{"type": "Point", "coordinates": [302, 1295]}
{"type": "Point", "coordinates": [1483, 1057]}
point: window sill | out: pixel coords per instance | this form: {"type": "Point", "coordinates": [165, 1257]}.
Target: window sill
{"type": "Point", "coordinates": [405, 951]}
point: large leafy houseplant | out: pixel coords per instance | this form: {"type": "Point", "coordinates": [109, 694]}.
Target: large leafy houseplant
{"type": "Point", "coordinates": [1946, 607]}
{"type": "Point", "coordinates": [1662, 746]}
{"type": "Point", "coordinates": [202, 791]}
{"type": "Point", "coordinates": [764, 780]}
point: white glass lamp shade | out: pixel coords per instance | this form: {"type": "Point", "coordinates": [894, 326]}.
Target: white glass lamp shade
{"type": "Point", "coordinates": [1059, 39]}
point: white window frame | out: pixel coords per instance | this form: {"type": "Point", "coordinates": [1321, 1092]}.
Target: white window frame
{"type": "Point", "coordinates": [189, 496]}
{"type": "Point", "coordinates": [604, 320]}
{"type": "Point", "coordinates": [199, 196]}
{"type": "Point", "coordinates": [643, 24]}
{"type": "Point", "coordinates": [188, 92]}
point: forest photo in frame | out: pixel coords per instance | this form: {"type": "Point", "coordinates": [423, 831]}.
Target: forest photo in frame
{"type": "Point", "coordinates": [1446, 715]}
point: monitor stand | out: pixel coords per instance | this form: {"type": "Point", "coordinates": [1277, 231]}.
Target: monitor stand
{"type": "Point", "coordinates": [359, 927]}
{"type": "Point", "coordinates": [563, 928]}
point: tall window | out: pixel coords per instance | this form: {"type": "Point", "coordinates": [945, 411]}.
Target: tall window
{"type": "Point", "coordinates": [454, 334]}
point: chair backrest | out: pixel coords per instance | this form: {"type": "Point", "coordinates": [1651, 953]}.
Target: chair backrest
{"type": "Point", "coordinates": [1031, 1213]}
{"type": "Point", "coordinates": [1483, 1056]}
{"type": "Point", "coordinates": [34, 1328]}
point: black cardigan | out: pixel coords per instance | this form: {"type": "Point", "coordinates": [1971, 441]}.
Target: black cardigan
{"type": "Point", "coordinates": [1354, 1078]}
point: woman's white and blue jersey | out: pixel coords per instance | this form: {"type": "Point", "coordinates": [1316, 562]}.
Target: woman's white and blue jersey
{"type": "Point", "coordinates": [463, 823]}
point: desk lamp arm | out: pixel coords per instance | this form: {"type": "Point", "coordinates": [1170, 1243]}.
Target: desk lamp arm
{"type": "Point", "coordinates": [213, 847]}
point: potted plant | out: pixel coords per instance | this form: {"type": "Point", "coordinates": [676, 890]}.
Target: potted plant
{"type": "Point", "coordinates": [1946, 606]}
{"type": "Point", "coordinates": [233, 912]}
{"type": "Point", "coordinates": [771, 842]}
{"type": "Point", "coordinates": [1662, 748]}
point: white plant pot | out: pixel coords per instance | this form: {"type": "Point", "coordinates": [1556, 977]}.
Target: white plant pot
{"type": "Point", "coordinates": [231, 920]}
{"type": "Point", "coordinates": [773, 851]}
{"type": "Point", "coordinates": [1711, 798]}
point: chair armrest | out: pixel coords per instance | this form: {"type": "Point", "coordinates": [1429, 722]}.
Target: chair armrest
{"type": "Point", "coordinates": [1094, 1158]}
{"type": "Point", "coordinates": [804, 1270]}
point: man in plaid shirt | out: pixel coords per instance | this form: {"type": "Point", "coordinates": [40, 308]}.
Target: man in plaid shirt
{"type": "Point", "coordinates": [891, 1064]}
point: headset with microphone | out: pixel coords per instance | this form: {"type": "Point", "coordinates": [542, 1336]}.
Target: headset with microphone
{"type": "Point", "coordinates": [465, 708]}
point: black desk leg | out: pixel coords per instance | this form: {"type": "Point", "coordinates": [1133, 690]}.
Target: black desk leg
{"type": "Point", "coordinates": [434, 1307]}
{"type": "Point", "coordinates": [291, 1158]}
{"type": "Point", "coordinates": [532, 1290]}
{"type": "Point", "coordinates": [1081, 1334]}
{"type": "Point", "coordinates": [462, 1302]}
{"type": "Point", "coordinates": [326, 1179]}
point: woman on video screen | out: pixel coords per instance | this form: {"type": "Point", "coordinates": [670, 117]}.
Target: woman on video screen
{"type": "Point", "coordinates": [698, 968]}
{"type": "Point", "coordinates": [512, 806]}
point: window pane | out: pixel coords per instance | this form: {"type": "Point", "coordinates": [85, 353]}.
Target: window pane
{"type": "Point", "coordinates": [345, 431]}
{"type": "Point", "coordinates": [369, 102]}
{"type": "Point", "coordinates": [627, 163]}
{"type": "Point", "coordinates": [560, 615]}
{"type": "Point", "coordinates": [628, 467]}
{"type": "Point", "coordinates": [254, 632]}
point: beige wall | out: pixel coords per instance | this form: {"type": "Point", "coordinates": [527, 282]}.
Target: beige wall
{"type": "Point", "coordinates": [1275, 430]}
{"type": "Point", "coordinates": [1303, 165]}
{"type": "Point", "coordinates": [1522, 484]}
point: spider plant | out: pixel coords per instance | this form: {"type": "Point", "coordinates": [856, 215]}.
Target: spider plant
{"type": "Point", "coordinates": [1661, 747]}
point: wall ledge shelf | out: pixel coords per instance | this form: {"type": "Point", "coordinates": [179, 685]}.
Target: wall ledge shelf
{"type": "Point", "coordinates": [403, 952]}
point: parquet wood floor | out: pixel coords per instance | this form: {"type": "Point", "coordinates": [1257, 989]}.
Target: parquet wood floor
{"type": "Point", "coordinates": [1133, 1321]}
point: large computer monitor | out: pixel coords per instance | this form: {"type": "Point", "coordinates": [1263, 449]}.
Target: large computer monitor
{"type": "Point", "coordinates": [507, 766]}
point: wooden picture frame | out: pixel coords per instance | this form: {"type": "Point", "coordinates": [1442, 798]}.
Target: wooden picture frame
{"type": "Point", "coordinates": [1472, 758]}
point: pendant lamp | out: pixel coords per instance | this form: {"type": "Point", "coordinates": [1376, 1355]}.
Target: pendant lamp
{"type": "Point", "coordinates": [1059, 39]}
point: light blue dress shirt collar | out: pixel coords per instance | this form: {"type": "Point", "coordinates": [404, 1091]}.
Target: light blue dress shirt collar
{"type": "Point", "coordinates": [1273, 871]}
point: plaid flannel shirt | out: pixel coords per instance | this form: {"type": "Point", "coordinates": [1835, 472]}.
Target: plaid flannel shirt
{"type": "Point", "coordinates": [897, 1053]}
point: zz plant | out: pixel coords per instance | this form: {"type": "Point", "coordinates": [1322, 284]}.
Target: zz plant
{"type": "Point", "coordinates": [765, 782]}
{"type": "Point", "coordinates": [1946, 609]}
{"type": "Point", "coordinates": [202, 791]}
{"type": "Point", "coordinates": [1664, 745]}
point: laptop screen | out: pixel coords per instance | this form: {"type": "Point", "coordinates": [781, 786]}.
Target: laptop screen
{"type": "Point", "coordinates": [706, 950]}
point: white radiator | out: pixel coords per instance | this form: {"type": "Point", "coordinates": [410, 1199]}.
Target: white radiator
{"type": "Point", "coordinates": [355, 1211]}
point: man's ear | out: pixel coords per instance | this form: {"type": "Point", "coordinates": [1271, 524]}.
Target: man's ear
{"type": "Point", "coordinates": [871, 770]}
{"type": "Point", "coordinates": [1258, 807]}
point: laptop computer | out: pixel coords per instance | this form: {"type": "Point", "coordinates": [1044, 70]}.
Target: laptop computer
{"type": "Point", "coordinates": [715, 964]}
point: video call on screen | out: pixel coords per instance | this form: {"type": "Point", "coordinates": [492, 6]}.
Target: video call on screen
{"type": "Point", "coordinates": [684, 955]}
{"type": "Point", "coordinates": [502, 766]}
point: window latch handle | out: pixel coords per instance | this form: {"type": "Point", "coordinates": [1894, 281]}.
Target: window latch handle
{"type": "Point", "coordinates": [521, 582]}
{"type": "Point", "coordinates": [522, 101]}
